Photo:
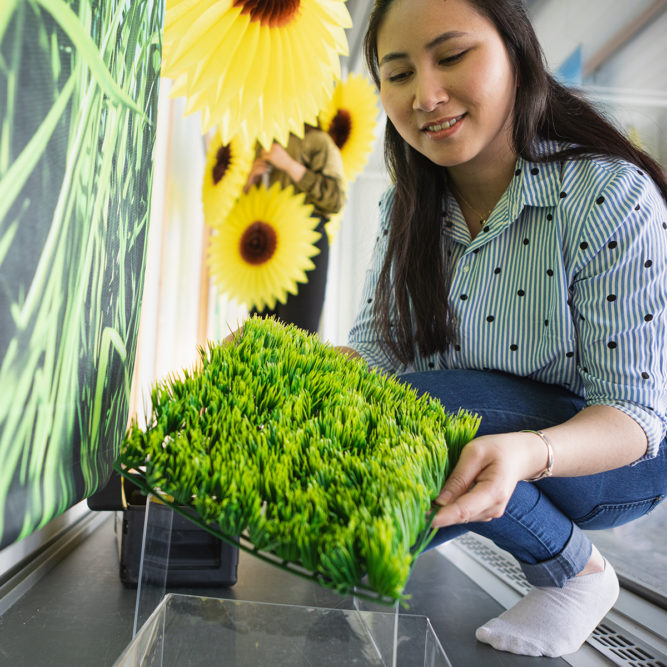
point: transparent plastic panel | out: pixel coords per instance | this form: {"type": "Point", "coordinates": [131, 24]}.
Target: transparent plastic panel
{"type": "Point", "coordinates": [388, 636]}
{"type": "Point", "coordinates": [155, 545]}
{"type": "Point", "coordinates": [384, 636]}
{"type": "Point", "coordinates": [200, 631]}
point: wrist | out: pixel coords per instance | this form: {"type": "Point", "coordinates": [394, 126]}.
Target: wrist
{"type": "Point", "coordinates": [542, 457]}
{"type": "Point", "coordinates": [296, 171]}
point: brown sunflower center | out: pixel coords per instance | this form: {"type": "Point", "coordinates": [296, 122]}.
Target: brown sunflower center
{"type": "Point", "coordinates": [274, 13]}
{"type": "Point", "coordinates": [340, 128]}
{"type": "Point", "coordinates": [258, 243]}
{"type": "Point", "coordinates": [222, 160]}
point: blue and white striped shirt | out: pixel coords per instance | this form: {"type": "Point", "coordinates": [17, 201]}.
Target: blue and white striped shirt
{"type": "Point", "coordinates": [565, 284]}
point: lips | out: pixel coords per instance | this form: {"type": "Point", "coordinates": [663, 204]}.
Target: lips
{"type": "Point", "coordinates": [443, 124]}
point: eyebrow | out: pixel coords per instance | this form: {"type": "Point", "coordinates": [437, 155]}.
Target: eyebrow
{"type": "Point", "coordinates": [451, 34]}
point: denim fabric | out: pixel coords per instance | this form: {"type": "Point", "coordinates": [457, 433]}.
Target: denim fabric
{"type": "Point", "coordinates": [543, 522]}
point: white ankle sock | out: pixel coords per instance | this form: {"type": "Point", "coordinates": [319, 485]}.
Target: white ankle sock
{"type": "Point", "coordinates": [553, 621]}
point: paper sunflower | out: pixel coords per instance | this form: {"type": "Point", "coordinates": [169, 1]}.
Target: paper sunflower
{"type": "Point", "coordinates": [261, 68]}
{"type": "Point", "coordinates": [227, 166]}
{"type": "Point", "coordinates": [332, 226]}
{"type": "Point", "coordinates": [350, 118]}
{"type": "Point", "coordinates": [264, 247]}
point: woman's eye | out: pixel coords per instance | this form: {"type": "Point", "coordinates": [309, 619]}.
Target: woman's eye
{"type": "Point", "coordinates": [399, 76]}
{"type": "Point", "coordinates": [453, 59]}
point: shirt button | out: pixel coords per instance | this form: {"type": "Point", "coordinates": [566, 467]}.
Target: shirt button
{"type": "Point", "coordinates": [466, 268]}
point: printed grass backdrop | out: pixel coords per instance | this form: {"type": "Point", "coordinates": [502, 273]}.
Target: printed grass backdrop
{"type": "Point", "coordinates": [78, 103]}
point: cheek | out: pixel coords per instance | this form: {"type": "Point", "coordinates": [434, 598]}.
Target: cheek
{"type": "Point", "coordinates": [391, 103]}
{"type": "Point", "coordinates": [497, 85]}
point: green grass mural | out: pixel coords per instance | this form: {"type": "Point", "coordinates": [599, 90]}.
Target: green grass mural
{"type": "Point", "coordinates": [78, 104]}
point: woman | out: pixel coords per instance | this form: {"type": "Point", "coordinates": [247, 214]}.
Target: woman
{"type": "Point", "coordinates": [312, 165]}
{"type": "Point", "coordinates": [520, 273]}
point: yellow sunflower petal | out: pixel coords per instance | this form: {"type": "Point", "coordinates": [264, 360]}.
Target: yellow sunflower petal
{"type": "Point", "coordinates": [332, 227]}
{"type": "Point", "coordinates": [197, 42]}
{"type": "Point", "coordinates": [225, 173]}
{"type": "Point", "coordinates": [350, 118]}
{"type": "Point", "coordinates": [274, 85]}
{"type": "Point", "coordinates": [258, 70]}
{"type": "Point", "coordinates": [263, 249]}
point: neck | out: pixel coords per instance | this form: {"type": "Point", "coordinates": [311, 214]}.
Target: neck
{"type": "Point", "coordinates": [483, 185]}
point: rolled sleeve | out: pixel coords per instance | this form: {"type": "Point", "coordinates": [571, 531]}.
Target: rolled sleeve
{"type": "Point", "coordinates": [618, 301]}
{"type": "Point", "coordinates": [325, 192]}
{"type": "Point", "coordinates": [323, 182]}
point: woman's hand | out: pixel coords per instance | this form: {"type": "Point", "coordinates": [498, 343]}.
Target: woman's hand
{"type": "Point", "coordinates": [278, 157]}
{"type": "Point", "coordinates": [282, 160]}
{"type": "Point", "coordinates": [483, 480]}
{"type": "Point", "coordinates": [258, 169]}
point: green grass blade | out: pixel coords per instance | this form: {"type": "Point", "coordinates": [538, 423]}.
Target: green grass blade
{"type": "Point", "coordinates": [6, 10]}
{"type": "Point", "coordinates": [18, 173]}
{"type": "Point", "coordinates": [87, 49]}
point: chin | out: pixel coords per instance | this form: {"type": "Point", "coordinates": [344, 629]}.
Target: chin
{"type": "Point", "coordinates": [447, 161]}
{"type": "Point", "coordinates": [450, 157]}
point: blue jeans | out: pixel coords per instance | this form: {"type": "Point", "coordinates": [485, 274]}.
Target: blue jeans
{"type": "Point", "coordinates": [542, 524]}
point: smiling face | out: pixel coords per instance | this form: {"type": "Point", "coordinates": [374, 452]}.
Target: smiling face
{"type": "Point", "coordinates": [447, 83]}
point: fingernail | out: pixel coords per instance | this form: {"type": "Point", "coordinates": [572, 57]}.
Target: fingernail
{"type": "Point", "coordinates": [444, 498]}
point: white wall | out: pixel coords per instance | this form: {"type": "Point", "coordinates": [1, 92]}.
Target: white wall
{"type": "Point", "coordinates": [631, 83]}
{"type": "Point", "coordinates": [169, 329]}
{"type": "Point", "coordinates": [561, 25]}
{"type": "Point", "coordinates": [351, 251]}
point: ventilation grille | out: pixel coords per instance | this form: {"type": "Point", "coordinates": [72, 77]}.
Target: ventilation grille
{"type": "Point", "coordinates": [502, 566]}
{"type": "Point", "coordinates": [622, 648]}
{"type": "Point", "coordinates": [617, 645]}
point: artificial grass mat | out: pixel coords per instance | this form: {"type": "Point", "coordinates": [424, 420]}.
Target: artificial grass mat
{"type": "Point", "coordinates": [302, 456]}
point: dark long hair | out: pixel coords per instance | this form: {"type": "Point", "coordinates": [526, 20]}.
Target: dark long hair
{"type": "Point", "coordinates": [415, 278]}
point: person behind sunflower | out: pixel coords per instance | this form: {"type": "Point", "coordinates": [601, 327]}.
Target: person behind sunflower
{"type": "Point", "coordinates": [312, 165]}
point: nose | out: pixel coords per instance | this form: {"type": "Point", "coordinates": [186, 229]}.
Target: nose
{"type": "Point", "coordinates": [430, 91]}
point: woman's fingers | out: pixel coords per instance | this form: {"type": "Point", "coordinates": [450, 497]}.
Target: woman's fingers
{"type": "Point", "coordinates": [457, 484]}
{"type": "Point", "coordinates": [472, 461]}
{"type": "Point", "coordinates": [258, 169]}
{"type": "Point", "coordinates": [277, 155]}
{"type": "Point", "coordinates": [481, 484]}
{"type": "Point", "coordinates": [481, 503]}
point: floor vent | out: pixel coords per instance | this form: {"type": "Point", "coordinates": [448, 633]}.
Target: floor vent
{"type": "Point", "coordinates": [502, 566]}
{"type": "Point", "coordinates": [617, 645]}
{"type": "Point", "coordinates": [622, 648]}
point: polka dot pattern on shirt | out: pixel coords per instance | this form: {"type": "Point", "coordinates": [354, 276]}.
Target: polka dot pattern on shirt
{"type": "Point", "coordinates": [575, 302]}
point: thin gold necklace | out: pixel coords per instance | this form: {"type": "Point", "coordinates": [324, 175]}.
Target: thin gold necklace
{"type": "Point", "coordinates": [482, 218]}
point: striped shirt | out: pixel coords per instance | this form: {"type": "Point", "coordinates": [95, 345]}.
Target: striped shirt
{"type": "Point", "coordinates": [565, 284]}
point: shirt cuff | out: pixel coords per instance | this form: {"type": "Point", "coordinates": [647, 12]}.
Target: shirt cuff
{"type": "Point", "coordinates": [307, 181]}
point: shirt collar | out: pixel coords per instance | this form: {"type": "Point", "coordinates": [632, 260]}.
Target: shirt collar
{"type": "Point", "coordinates": [454, 224]}
{"type": "Point", "coordinates": [535, 184]}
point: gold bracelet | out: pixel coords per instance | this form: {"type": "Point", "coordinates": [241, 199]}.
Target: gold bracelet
{"type": "Point", "coordinates": [547, 472]}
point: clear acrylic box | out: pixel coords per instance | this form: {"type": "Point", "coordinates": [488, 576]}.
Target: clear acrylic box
{"type": "Point", "coordinates": [174, 629]}
{"type": "Point", "coordinates": [200, 631]}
